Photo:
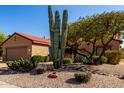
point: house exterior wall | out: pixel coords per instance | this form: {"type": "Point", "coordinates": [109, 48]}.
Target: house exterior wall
{"type": "Point", "coordinates": [16, 41]}
{"type": "Point", "coordinates": [87, 47]}
{"type": "Point", "coordinates": [40, 50]}
{"type": "Point", "coordinates": [113, 45]}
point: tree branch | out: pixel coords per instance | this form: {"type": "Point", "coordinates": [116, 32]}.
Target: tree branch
{"type": "Point", "coordinates": [84, 56]}
{"type": "Point", "coordinates": [94, 48]}
{"type": "Point", "coordinates": [85, 50]}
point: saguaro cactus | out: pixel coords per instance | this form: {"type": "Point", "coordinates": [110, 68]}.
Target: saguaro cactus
{"type": "Point", "coordinates": [51, 24]}
{"type": "Point", "coordinates": [64, 33]}
{"type": "Point", "coordinates": [58, 35]}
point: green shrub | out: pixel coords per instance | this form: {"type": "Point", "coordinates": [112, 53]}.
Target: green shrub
{"type": "Point", "coordinates": [81, 59]}
{"type": "Point", "coordinates": [21, 65]}
{"type": "Point", "coordinates": [122, 53]}
{"type": "Point", "coordinates": [13, 65]}
{"type": "Point", "coordinates": [37, 59]}
{"type": "Point", "coordinates": [82, 77]}
{"type": "Point", "coordinates": [67, 61]}
{"type": "Point", "coordinates": [47, 58]}
{"type": "Point", "coordinates": [113, 57]}
{"type": "Point", "coordinates": [95, 59]}
{"type": "Point", "coordinates": [102, 60]}
{"type": "Point", "coordinates": [25, 65]}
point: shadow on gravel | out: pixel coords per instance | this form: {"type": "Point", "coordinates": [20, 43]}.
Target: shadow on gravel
{"type": "Point", "coordinates": [72, 81]}
{"type": "Point", "coordinates": [6, 71]}
{"type": "Point", "coordinates": [122, 77]}
{"type": "Point", "coordinates": [33, 72]}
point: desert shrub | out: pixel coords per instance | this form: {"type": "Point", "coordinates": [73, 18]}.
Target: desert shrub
{"type": "Point", "coordinates": [95, 60]}
{"type": "Point", "coordinates": [25, 65]}
{"type": "Point", "coordinates": [113, 57]}
{"type": "Point", "coordinates": [47, 58]}
{"type": "Point", "coordinates": [102, 60]}
{"type": "Point", "coordinates": [81, 59]}
{"type": "Point", "coordinates": [122, 54]}
{"type": "Point", "coordinates": [50, 59]}
{"type": "Point", "coordinates": [67, 61]}
{"type": "Point", "coordinates": [13, 65]}
{"type": "Point", "coordinates": [82, 77]}
{"type": "Point", "coordinates": [20, 65]}
{"type": "Point", "coordinates": [37, 59]}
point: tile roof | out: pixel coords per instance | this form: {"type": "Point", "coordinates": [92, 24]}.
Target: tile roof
{"type": "Point", "coordinates": [35, 39]}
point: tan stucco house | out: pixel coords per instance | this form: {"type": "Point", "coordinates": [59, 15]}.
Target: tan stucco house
{"type": "Point", "coordinates": [21, 45]}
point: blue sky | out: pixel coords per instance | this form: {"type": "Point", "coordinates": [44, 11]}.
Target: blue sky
{"type": "Point", "coordinates": [34, 19]}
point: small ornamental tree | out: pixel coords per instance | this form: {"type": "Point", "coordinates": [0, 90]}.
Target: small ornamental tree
{"type": "Point", "coordinates": [94, 30]}
{"type": "Point", "coordinates": [2, 37]}
{"type": "Point", "coordinates": [112, 24]}
{"type": "Point", "coordinates": [84, 31]}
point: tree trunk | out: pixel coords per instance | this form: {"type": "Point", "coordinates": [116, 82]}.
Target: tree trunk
{"type": "Point", "coordinates": [56, 65]}
{"type": "Point", "coordinates": [84, 56]}
{"type": "Point", "coordinates": [104, 47]}
{"type": "Point", "coordinates": [94, 48]}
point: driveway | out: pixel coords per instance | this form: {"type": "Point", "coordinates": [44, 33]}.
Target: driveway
{"type": "Point", "coordinates": [6, 85]}
{"type": "Point", "coordinates": [3, 84]}
{"type": "Point", "coordinates": [3, 65]}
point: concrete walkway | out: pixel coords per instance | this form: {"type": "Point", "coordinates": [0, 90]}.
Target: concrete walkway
{"type": "Point", "coordinates": [6, 85]}
{"type": "Point", "coordinates": [3, 84]}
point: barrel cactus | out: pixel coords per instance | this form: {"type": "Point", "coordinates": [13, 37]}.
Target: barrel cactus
{"type": "Point", "coordinates": [58, 35]}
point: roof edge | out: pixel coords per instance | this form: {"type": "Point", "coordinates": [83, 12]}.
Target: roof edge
{"type": "Point", "coordinates": [7, 39]}
{"type": "Point", "coordinates": [33, 42]}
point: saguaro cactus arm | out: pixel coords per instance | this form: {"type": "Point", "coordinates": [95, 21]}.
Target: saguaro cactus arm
{"type": "Point", "coordinates": [56, 38]}
{"type": "Point", "coordinates": [64, 33]}
{"type": "Point", "coordinates": [51, 24]}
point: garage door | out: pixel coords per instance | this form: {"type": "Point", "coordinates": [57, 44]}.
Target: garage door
{"type": "Point", "coordinates": [16, 53]}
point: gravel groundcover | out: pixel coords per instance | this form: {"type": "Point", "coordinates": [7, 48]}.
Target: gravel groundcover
{"type": "Point", "coordinates": [103, 76]}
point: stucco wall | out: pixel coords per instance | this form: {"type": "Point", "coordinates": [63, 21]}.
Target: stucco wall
{"type": "Point", "coordinates": [16, 41]}
{"type": "Point", "coordinates": [115, 45]}
{"type": "Point", "coordinates": [40, 50]}
{"type": "Point", "coordinates": [87, 47]}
